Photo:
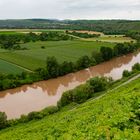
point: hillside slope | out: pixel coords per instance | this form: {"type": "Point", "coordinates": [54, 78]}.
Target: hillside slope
{"type": "Point", "coordinates": [114, 116]}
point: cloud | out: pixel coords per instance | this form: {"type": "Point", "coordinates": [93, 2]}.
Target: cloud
{"type": "Point", "coordinates": [74, 9]}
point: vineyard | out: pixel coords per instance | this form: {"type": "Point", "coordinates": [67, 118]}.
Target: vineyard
{"type": "Point", "coordinates": [114, 116]}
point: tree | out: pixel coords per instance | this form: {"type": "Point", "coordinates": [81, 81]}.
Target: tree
{"type": "Point", "coordinates": [136, 67]}
{"type": "Point", "coordinates": [99, 84]}
{"type": "Point", "coordinates": [83, 62]}
{"type": "Point", "coordinates": [126, 73]}
{"type": "Point", "coordinates": [52, 67]}
{"type": "Point", "coordinates": [98, 57]}
{"type": "Point", "coordinates": [42, 73]}
{"type": "Point", "coordinates": [107, 53]}
{"type": "Point", "coordinates": [66, 67]}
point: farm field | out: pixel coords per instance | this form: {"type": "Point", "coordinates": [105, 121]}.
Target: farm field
{"type": "Point", "coordinates": [17, 31]}
{"type": "Point", "coordinates": [105, 38]}
{"type": "Point", "coordinates": [6, 67]}
{"type": "Point", "coordinates": [70, 50]}
{"type": "Point", "coordinates": [108, 117]}
{"type": "Point", "coordinates": [35, 56]}
{"type": "Point", "coordinates": [113, 38]}
{"type": "Point", "coordinates": [102, 38]}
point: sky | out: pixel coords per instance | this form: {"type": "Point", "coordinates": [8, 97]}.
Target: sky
{"type": "Point", "coordinates": [70, 9]}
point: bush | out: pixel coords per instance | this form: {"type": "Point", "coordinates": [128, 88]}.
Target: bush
{"type": "Point", "coordinates": [107, 53]}
{"type": "Point", "coordinates": [136, 67]}
{"type": "Point", "coordinates": [82, 93]}
{"type": "Point", "coordinates": [34, 116]}
{"type": "Point", "coordinates": [23, 119]}
{"type": "Point", "coordinates": [83, 62]}
{"type": "Point", "coordinates": [99, 84]}
{"type": "Point", "coordinates": [78, 95]}
{"type": "Point", "coordinates": [98, 57]}
{"type": "Point", "coordinates": [66, 67]}
{"type": "Point", "coordinates": [126, 73]}
{"type": "Point", "coordinates": [42, 47]}
{"type": "Point", "coordinates": [53, 67]}
{"type": "Point", "coordinates": [50, 110]}
{"type": "Point", "coordinates": [3, 120]}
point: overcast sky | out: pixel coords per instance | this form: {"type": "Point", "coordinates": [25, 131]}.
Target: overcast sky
{"type": "Point", "coordinates": [70, 9]}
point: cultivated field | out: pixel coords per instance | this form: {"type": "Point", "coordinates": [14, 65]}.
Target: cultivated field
{"type": "Point", "coordinates": [105, 38]}
{"type": "Point", "coordinates": [88, 32]}
{"type": "Point", "coordinates": [112, 38]}
{"type": "Point", "coordinates": [17, 31]}
{"type": "Point", "coordinates": [35, 56]}
{"type": "Point", "coordinates": [6, 67]}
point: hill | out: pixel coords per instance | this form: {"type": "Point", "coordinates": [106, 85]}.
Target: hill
{"type": "Point", "coordinates": [113, 116]}
{"type": "Point", "coordinates": [106, 26]}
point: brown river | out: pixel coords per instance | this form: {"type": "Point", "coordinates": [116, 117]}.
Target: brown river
{"type": "Point", "coordinates": [28, 98]}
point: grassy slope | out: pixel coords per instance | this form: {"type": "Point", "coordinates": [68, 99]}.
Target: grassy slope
{"type": "Point", "coordinates": [63, 50]}
{"type": "Point", "coordinates": [95, 119]}
{"type": "Point", "coordinates": [6, 67]}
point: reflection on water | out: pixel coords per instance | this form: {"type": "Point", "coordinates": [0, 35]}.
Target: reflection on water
{"type": "Point", "coordinates": [35, 97]}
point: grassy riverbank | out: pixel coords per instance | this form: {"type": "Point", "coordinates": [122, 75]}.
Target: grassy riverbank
{"type": "Point", "coordinates": [106, 117]}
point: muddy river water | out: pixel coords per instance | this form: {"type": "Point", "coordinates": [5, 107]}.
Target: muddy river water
{"type": "Point", "coordinates": [22, 100]}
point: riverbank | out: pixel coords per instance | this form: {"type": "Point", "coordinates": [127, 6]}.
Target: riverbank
{"type": "Point", "coordinates": [39, 95]}
{"type": "Point", "coordinates": [97, 115]}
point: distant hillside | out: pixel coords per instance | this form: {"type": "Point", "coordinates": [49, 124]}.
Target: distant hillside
{"type": "Point", "coordinates": [106, 26]}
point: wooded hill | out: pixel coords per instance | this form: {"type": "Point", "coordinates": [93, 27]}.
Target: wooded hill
{"type": "Point", "coordinates": [106, 26]}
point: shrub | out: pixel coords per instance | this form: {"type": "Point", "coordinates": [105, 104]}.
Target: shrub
{"type": "Point", "coordinates": [136, 67]}
{"type": "Point", "coordinates": [34, 116]}
{"type": "Point", "coordinates": [126, 73]}
{"type": "Point", "coordinates": [107, 53]}
{"type": "Point", "coordinates": [82, 93]}
{"type": "Point", "coordinates": [53, 67]}
{"type": "Point", "coordinates": [98, 57]}
{"type": "Point", "coordinates": [23, 119]}
{"type": "Point", "coordinates": [50, 110]}
{"type": "Point", "coordinates": [83, 62]}
{"type": "Point", "coordinates": [42, 47]}
{"type": "Point", "coordinates": [99, 84]}
{"type": "Point", "coordinates": [78, 95]}
{"type": "Point", "coordinates": [3, 120]}
{"type": "Point", "coordinates": [65, 99]}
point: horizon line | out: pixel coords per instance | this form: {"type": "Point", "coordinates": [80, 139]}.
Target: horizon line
{"type": "Point", "coordinates": [69, 19]}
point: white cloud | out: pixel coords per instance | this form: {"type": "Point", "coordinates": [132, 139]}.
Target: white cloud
{"type": "Point", "coordinates": [75, 9]}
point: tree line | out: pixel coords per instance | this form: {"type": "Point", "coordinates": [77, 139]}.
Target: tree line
{"type": "Point", "coordinates": [105, 26]}
{"type": "Point", "coordinates": [134, 35]}
{"type": "Point", "coordinates": [82, 35]}
{"type": "Point", "coordinates": [13, 41]}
